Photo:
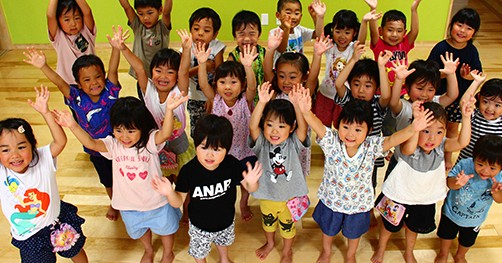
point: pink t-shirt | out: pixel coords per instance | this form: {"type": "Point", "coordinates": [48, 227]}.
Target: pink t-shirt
{"type": "Point", "coordinates": [399, 52]}
{"type": "Point", "coordinates": [71, 47]}
{"type": "Point", "coordinates": [132, 174]}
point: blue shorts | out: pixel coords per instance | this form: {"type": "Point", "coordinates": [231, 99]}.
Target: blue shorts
{"type": "Point", "coordinates": [162, 221]}
{"type": "Point", "coordinates": [352, 226]}
{"type": "Point", "coordinates": [38, 248]}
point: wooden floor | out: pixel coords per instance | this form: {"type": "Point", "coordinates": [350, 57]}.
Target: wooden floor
{"type": "Point", "coordinates": [108, 241]}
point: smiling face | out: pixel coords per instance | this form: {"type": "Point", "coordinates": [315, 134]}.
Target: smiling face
{"type": "Point", "coordinates": [229, 88]}
{"type": "Point", "coordinates": [275, 130]}
{"type": "Point", "coordinates": [486, 170]}
{"type": "Point", "coordinates": [148, 16]}
{"type": "Point", "coordinates": [164, 78]}
{"type": "Point", "coordinates": [127, 137]}
{"type": "Point", "coordinates": [393, 32]}
{"type": "Point", "coordinates": [92, 81]}
{"type": "Point", "coordinates": [294, 11]}
{"type": "Point", "coordinates": [210, 157]}
{"type": "Point", "coordinates": [490, 108]}
{"type": "Point", "coordinates": [352, 134]}
{"type": "Point", "coordinates": [247, 35]}
{"type": "Point", "coordinates": [423, 91]}
{"type": "Point", "coordinates": [203, 31]}
{"type": "Point", "coordinates": [16, 152]}
{"type": "Point", "coordinates": [363, 87]}
{"type": "Point", "coordinates": [460, 34]}
{"type": "Point", "coordinates": [432, 136]}
{"type": "Point", "coordinates": [343, 37]}
{"type": "Point", "coordinates": [71, 21]}
{"type": "Point", "coordinates": [288, 75]}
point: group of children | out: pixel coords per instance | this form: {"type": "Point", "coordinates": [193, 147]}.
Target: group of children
{"type": "Point", "coordinates": [251, 118]}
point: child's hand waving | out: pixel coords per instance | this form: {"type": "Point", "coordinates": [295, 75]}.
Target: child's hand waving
{"type": "Point", "coordinates": [322, 44]}
{"type": "Point", "coordinates": [372, 4]}
{"type": "Point", "coordinates": [319, 8]}
{"type": "Point", "coordinates": [358, 51]}
{"type": "Point", "coordinates": [401, 69]}
{"type": "Point", "coordinates": [422, 119]}
{"type": "Point", "coordinates": [384, 57]}
{"type": "Point", "coordinates": [461, 179]}
{"type": "Point", "coordinates": [174, 100]}
{"type": "Point", "coordinates": [478, 76]}
{"type": "Point", "coordinates": [162, 185]}
{"type": "Point", "coordinates": [119, 37]}
{"type": "Point", "coordinates": [186, 38]}
{"type": "Point", "coordinates": [304, 101]}
{"type": "Point", "coordinates": [34, 57]}
{"type": "Point", "coordinates": [372, 15]}
{"type": "Point", "coordinates": [253, 174]}
{"type": "Point", "coordinates": [496, 186]}
{"type": "Point", "coordinates": [201, 54]}
{"type": "Point", "coordinates": [248, 55]}
{"type": "Point", "coordinates": [64, 118]}
{"type": "Point", "coordinates": [274, 39]}
{"type": "Point", "coordinates": [41, 102]}
{"type": "Point", "coordinates": [468, 106]}
{"type": "Point", "coordinates": [450, 65]}
{"type": "Point", "coordinates": [265, 94]}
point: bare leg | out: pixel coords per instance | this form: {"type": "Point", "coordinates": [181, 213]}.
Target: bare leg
{"type": "Point", "coordinates": [81, 257]}
{"type": "Point", "coordinates": [112, 214]}
{"type": "Point", "coordinates": [223, 251]}
{"type": "Point", "coordinates": [351, 250]}
{"type": "Point", "coordinates": [287, 251]}
{"type": "Point", "coordinates": [246, 213]}
{"type": "Point", "coordinates": [382, 245]}
{"type": "Point", "coordinates": [167, 243]}
{"type": "Point", "coordinates": [444, 251]}
{"type": "Point", "coordinates": [264, 250]}
{"type": "Point", "coordinates": [411, 239]}
{"type": "Point", "coordinates": [184, 217]}
{"type": "Point", "coordinates": [146, 240]}
{"type": "Point", "coordinates": [200, 260]}
{"type": "Point", "coordinates": [451, 132]}
{"type": "Point", "coordinates": [327, 242]}
{"type": "Point", "coordinates": [460, 255]}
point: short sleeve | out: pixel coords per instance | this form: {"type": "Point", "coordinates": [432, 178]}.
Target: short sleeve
{"type": "Point", "coordinates": [110, 145]}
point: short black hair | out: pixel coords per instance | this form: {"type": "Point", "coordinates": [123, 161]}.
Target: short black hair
{"type": "Point", "coordinates": [216, 130]}
{"type": "Point", "coordinates": [86, 61]}
{"type": "Point", "coordinates": [487, 148]}
{"type": "Point", "coordinates": [491, 89]}
{"type": "Point", "coordinates": [281, 3]}
{"type": "Point", "coordinates": [467, 16]}
{"type": "Point", "coordinates": [230, 68]}
{"type": "Point", "coordinates": [437, 110]}
{"type": "Point", "coordinates": [343, 19]}
{"type": "Point", "coordinates": [244, 18]}
{"type": "Point", "coordinates": [14, 124]}
{"type": "Point", "coordinates": [393, 15]}
{"type": "Point", "coordinates": [166, 57]}
{"type": "Point", "coordinates": [206, 12]}
{"type": "Point", "coordinates": [281, 108]}
{"type": "Point", "coordinates": [357, 111]}
{"type": "Point", "coordinates": [365, 67]}
{"type": "Point", "coordinates": [157, 4]}
{"type": "Point", "coordinates": [426, 71]}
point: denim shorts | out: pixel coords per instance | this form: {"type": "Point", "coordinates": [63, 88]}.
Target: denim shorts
{"type": "Point", "coordinates": [162, 221]}
{"type": "Point", "coordinates": [353, 226]}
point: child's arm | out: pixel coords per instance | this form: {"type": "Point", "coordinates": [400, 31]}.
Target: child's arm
{"type": "Point", "coordinates": [246, 58]}
{"type": "Point", "coordinates": [462, 140]}
{"type": "Point", "coordinates": [402, 72]}
{"type": "Point", "coordinates": [172, 102]}
{"type": "Point", "coordinates": [409, 146]}
{"type": "Point", "coordinates": [251, 177]}
{"type": "Point", "coordinates": [41, 106]}
{"type": "Point", "coordinates": [374, 35]}
{"type": "Point", "coordinates": [319, 9]}
{"type": "Point", "coordinates": [340, 81]}
{"type": "Point", "coordinates": [65, 119]}
{"type": "Point", "coordinates": [274, 40]}
{"type": "Point", "coordinates": [183, 73]}
{"type": "Point", "coordinates": [130, 13]}
{"type": "Point", "coordinates": [52, 20]}
{"type": "Point", "coordinates": [302, 127]}
{"type": "Point", "coordinates": [383, 58]}
{"type": "Point", "coordinates": [113, 67]}
{"type": "Point", "coordinates": [265, 94]}
{"type": "Point", "coordinates": [363, 29]}
{"type": "Point", "coordinates": [166, 13]}
{"type": "Point", "coordinates": [285, 29]}
{"type": "Point", "coordinates": [305, 105]}
{"type": "Point", "coordinates": [202, 56]}
{"type": "Point", "coordinates": [163, 186]}
{"type": "Point", "coordinates": [412, 35]}
{"type": "Point", "coordinates": [38, 60]}
{"type": "Point", "coordinates": [450, 66]}
{"type": "Point", "coordinates": [478, 79]}
{"type": "Point", "coordinates": [320, 46]}
{"type": "Point", "coordinates": [458, 181]}
{"type": "Point", "coordinates": [87, 13]}
{"type": "Point", "coordinates": [496, 191]}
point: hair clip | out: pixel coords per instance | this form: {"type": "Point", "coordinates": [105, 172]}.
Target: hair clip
{"type": "Point", "coordinates": [21, 129]}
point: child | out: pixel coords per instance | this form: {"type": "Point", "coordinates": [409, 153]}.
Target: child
{"type": "Point", "coordinates": [211, 212]}
{"type": "Point", "coordinates": [417, 182]}
{"type": "Point", "coordinates": [365, 77]}
{"type": "Point", "coordinates": [246, 29]}
{"type": "Point", "coordinates": [29, 194]}
{"type": "Point", "coordinates": [474, 184]}
{"type": "Point", "coordinates": [134, 150]}
{"type": "Point", "coordinates": [345, 193]}
{"type": "Point", "coordinates": [149, 35]}
{"type": "Point", "coordinates": [278, 132]}
{"type": "Point", "coordinates": [72, 33]}
{"type": "Point", "coordinates": [232, 97]}
{"type": "Point", "coordinates": [91, 100]}
{"type": "Point", "coordinates": [205, 24]}
{"type": "Point", "coordinates": [461, 31]}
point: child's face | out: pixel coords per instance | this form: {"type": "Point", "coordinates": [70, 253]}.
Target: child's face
{"type": "Point", "coordinates": [486, 170]}
{"type": "Point", "coordinates": [276, 131]}
{"type": "Point", "coordinates": [203, 31]}
{"type": "Point", "coordinates": [92, 81]}
{"type": "Point", "coordinates": [15, 151]}
{"type": "Point", "coordinates": [209, 157]}
{"type": "Point", "coordinates": [491, 108]}
{"type": "Point", "coordinates": [461, 33]}
{"type": "Point", "coordinates": [343, 37]}
{"type": "Point", "coordinates": [164, 78]}
{"type": "Point", "coordinates": [287, 76]}
{"type": "Point", "coordinates": [127, 137]}
{"type": "Point", "coordinates": [432, 136]}
{"type": "Point", "coordinates": [294, 11]}
{"type": "Point", "coordinates": [423, 91]}
{"type": "Point", "coordinates": [363, 88]}
{"type": "Point", "coordinates": [247, 35]}
{"type": "Point", "coordinates": [393, 32]}
{"type": "Point", "coordinates": [71, 22]}
{"type": "Point", "coordinates": [229, 89]}
{"type": "Point", "coordinates": [148, 16]}
{"type": "Point", "coordinates": [352, 134]}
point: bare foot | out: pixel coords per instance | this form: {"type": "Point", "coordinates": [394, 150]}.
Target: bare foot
{"type": "Point", "coordinates": [287, 257]}
{"type": "Point", "coordinates": [324, 257]}
{"type": "Point", "coordinates": [377, 256]}
{"type": "Point", "coordinates": [264, 250]}
{"type": "Point", "coordinates": [167, 258]}
{"type": "Point", "coordinates": [112, 214]}
{"type": "Point", "coordinates": [147, 257]}
{"type": "Point", "coordinates": [246, 213]}
{"type": "Point", "coordinates": [458, 259]}
{"type": "Point", "coordinates": [409, 257]}
{"type": "Point", "coordinates": [351, 259]}
{"type": "Point", "coordinates": [440, 258]}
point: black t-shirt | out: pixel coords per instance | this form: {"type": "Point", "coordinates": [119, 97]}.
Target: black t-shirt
{"type": "Point", "coordinates": [212, 193]}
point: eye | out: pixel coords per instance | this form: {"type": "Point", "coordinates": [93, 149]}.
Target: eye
{"type": "Point", "coordinates": [269, 125]}
{"type": "Point", "coordinates": [426, 131]}
{"type": "Point", "coordinates": [440, 132]}
{"type": "Point", "coordinates": [22, 147]}
{"type": "Point", "coordinates": [359, 130]}
{"type": "Point", "coordinates": [5, 150]}
{"type": "Point", "coordinates": [498, 105]}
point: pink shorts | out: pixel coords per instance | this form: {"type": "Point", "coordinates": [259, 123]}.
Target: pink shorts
{"type": "Point", "coordinates": [327, 110]}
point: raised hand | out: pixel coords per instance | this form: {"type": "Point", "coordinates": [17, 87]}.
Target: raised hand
{"type": "Point", "coordinates": [416, 108]}
{"type": "Point", "coordinates": [319, 8]}
{"type": "Point", "coordinates": [64, 118]}
{"type": "Point", "coordinates": [304, 101]}
{"type": "Point", "coordinates": [414, 5]}
{"type": "Point", "coordinates": [186, 38]}
{"type": "Point", "coordinates": [372, 4]}
{"type": "Point", "coordinates": [496, 186]}
{"type": "Point", "coordinates": [285, 22]}
{"type": "Point", "coordinates": [372, 15]}
{"type": "Point", "coordinates": [248, 55]}
{"type": "Point", "coordinates": [162, 185]}
{"type": "Point", "coordinates": [450, 65]}
{"type": "Point", "coordinates": [401, 69]}
{"type": "Point", "coordinates": [274, 39]}
{"type": "Point", "coordinates": [422, 119]}
{"type": "Point", "coordinates": [465, 71]}
{"type": "Point", "coordinates": [174, 100]}
{"type": "Point", "coordinates": [265, 93]}
{"type": "Point", "coordinates": [41, 104]}
{"type": "Point", "coordinates": [384, 57]}
{"type": "Point", "coordinates": [461, 179]}
{"type": "Point", "coordinates": [358, 51]}
{"type": "Point", "coordinates": [295, 92]}
{"type": "Point", "coordinates": [478, 76]}
{"type": "Point", "coordinates": [201, 53]}
{"type": "Point", "coordinates": [468, 105]}
{"type": "Point", "coordinates": [322, 44]}
{"type": "Point", "coordinates": [253, 174]}
{"type": "Point", "coordinates": [34, 57]}
{"type": "Point", "coordinates": [119, 37]}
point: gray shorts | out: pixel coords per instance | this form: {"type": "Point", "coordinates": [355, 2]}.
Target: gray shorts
{"type": "Point", "coordinates": [200, 240]}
